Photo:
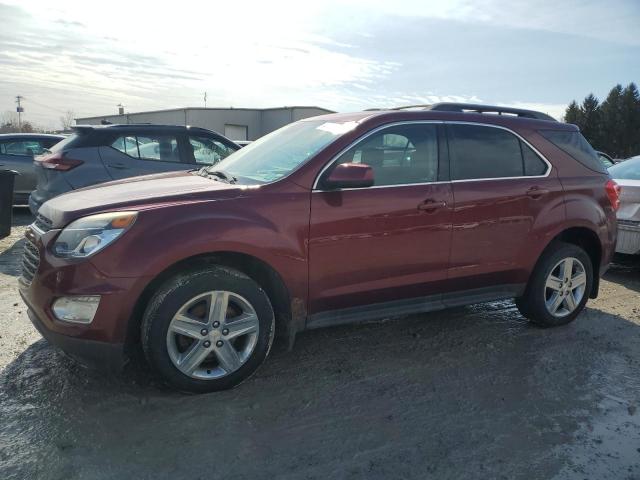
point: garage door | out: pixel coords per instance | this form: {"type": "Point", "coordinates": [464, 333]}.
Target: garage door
{"type": "Point", "coordinates": [236, 132]}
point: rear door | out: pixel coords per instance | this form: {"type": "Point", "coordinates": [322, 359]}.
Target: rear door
{"type": "Point", "coordinates": [505, 194]}
{"type": "Point", "coordinates": [141, 153]}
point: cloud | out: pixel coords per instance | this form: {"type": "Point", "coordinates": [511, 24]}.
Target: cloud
{"type": "Point", "coordinates": [342, 55]}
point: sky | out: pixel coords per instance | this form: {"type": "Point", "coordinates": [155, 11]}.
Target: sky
{"type": "Point", "coordinates": [90, 56]}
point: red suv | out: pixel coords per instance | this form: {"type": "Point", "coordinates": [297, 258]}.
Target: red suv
{"type": "Point", "coordinates": [329, 220]}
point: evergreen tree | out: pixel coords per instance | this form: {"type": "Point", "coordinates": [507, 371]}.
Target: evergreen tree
{"type": "Point", "coordinates": [630, 127]}
{"type": "Point", "coordinates": [591, 122]}
{"type": "Point", "coordinates": [612, 122]}
{"type": "Point", "coordinates": [572, 114]}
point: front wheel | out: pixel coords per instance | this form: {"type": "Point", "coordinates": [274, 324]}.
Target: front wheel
{"type": "Point", "coordinates": [208, 329]}
{"type": "Point", "coordinates": [559, 286]}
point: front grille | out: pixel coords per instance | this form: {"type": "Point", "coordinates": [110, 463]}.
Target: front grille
{"type": "Point", "coordinates": [30, 261]}
{"type": "Point", "coordinates": [42, 223]}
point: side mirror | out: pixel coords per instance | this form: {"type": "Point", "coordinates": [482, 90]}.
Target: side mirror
{"type": "Point", "coordinates": [349, 175]}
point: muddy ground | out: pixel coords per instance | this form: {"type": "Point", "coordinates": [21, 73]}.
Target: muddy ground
{"type": "Point", "coordinates": [473, 392]}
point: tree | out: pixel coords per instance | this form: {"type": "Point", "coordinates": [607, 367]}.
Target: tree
{"type": "Point", "coordinates": [572, 115]}
{"type": "Point", "coordinates": [630, 127]}
{"type": "Point", "coordinates": [591, 121]}
{"type": "Point", "coordinates": [68, 119]}
{"type": "Point", "coordinates": [612, 126]}
{"type": "Point", "coordinates": [612, 122]}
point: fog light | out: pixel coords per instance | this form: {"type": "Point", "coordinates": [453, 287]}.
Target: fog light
{"type": "Point", "coordinates": [76, 309]}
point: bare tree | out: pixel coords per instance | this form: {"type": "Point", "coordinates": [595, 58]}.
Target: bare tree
{"type": "Point", "coordinates": [68, 119]}
{"type": "Point", "coordinates": [8, 122]}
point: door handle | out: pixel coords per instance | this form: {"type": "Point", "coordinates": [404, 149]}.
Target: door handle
{"type": "Point", "coordinates": [536, 192]}
{"type": "Point", "coordinates": [431, 205]}
{"type": "Point", "coordinates": [119, 166]}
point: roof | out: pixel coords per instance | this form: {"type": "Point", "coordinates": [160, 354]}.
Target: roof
{"type": "Point", "coordinates": [140, 126]}
{"type": "Point", "coordinates": [30, 135]}
{"type": "Point", "coordinates": [454, 112]}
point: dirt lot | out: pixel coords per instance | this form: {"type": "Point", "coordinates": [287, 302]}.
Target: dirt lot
{"type": "Point", "coordinates": [473, 392]}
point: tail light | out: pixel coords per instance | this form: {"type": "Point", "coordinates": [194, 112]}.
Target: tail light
{"type": "Point", "coordinates": [613, 192]}
{"type": "Point", "coordinates": [58, 161]}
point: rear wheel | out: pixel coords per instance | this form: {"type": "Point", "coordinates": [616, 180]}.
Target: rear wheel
{"type": "Point", "coordinates": [208, 329]}
{"type": "Point", "coordinates": [559, 286]}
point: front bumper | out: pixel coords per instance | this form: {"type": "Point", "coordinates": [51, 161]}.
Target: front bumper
{"type": "Point", "coordinates": [101, 343]}
{"type": "Point", "coordinates": [628, 238]}
{"type": "Point", "coordinates": [103, 356]}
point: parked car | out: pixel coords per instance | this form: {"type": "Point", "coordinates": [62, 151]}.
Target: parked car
{"type": "Point", "coordinates": [606, 160]}
{"type": "Point", "coordinates": [16, 153]}
{"type": "Point", "coordinates": [328, 220]}
{"type": "Point", "coordinates": [101, 153]}
{"type": "Point", "coordinates": [627, 175]}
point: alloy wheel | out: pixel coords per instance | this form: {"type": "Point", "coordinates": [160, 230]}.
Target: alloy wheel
{"type": "Point", "coordinates": [565, 287]}
{"type": "Point", "coordinates": [212, 335]}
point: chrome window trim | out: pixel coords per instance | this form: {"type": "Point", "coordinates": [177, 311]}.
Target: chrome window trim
{"type": "Point", "coordinates": [535, 150]}
{"type": "Point", "coordinates": [358, 140]}
{"type": "Point", "coordinates": [440, 122]}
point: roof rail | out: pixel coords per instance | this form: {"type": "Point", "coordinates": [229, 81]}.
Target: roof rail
{"type": "Point", "coordinates": [476, 108]}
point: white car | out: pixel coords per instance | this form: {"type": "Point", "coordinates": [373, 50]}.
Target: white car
{"type": "Point", "coordinates": [627, 175]}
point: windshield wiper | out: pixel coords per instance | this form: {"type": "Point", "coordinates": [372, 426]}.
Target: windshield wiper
{"type": "Point", "coordinates": [221, 174]}
{"type": "Point", "coordinates": [218, 175]}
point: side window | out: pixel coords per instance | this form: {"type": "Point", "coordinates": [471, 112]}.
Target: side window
{"type": "Point", "coordinates": [576, 145]}
{"type": "Point", "coordinates": [163, 148]}
{"type": "Point", "coordinates": [533, 164]}
{"type": "Point", "coordinates": [127, 145]}
{"type": "Point", "coordinates": [27, 148]}
{"type": "Point", "coordinates": [478, 152]}
{"type": "Point", "coordinates": [208, 151]}
{"type": "Point", "coordinates": [403, 154]}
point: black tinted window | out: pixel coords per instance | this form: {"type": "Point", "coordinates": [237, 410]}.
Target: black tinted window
{"type": "Point", "coordinates": [577, 146]}
{"type": "Point", "coordinates": [483, 152]}
{"type": "Point", "coordinates": [399, 155]}
{"type": "Point", "coordinates": [533, 164]}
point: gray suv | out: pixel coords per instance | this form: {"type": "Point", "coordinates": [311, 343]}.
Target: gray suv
{"type": "Point", "coordinates": [96, 154]}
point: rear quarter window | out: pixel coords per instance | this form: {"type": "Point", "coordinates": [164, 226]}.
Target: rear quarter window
{"type": "Point", "coordinates": [576, 146]}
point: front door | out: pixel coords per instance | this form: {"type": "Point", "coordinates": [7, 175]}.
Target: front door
{"type": "Point", "coordinates": [387, 242]}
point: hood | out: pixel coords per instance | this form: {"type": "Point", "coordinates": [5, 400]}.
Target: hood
{"type": "Point", "coordinates": [149, 191]}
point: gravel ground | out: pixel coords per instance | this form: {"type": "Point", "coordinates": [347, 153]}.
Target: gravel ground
{"type": "Point", "coordinates": [472, 392]}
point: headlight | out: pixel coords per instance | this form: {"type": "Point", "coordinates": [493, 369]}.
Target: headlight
{"type": "Point", "coordinates": [89, 235]}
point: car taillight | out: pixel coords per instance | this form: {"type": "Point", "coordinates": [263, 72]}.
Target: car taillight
{"type": "Point", "coordinates": [613, 192]}
{"type": "Point", "coordinates": [58, 161]}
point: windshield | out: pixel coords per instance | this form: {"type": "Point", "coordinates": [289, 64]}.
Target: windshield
{"type": "Point", "coordinates": [627, 170]}
{"type": "Point", "coordinates": [276, 155]}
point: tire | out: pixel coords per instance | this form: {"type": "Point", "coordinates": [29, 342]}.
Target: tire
{"type": "Point", "coordinates": [179, 329]}
{"type": "Point", "coordinates": [542, 291]}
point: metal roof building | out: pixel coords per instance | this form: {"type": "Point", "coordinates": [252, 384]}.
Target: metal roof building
{"type": "Point", "coordinates": [233, 123]}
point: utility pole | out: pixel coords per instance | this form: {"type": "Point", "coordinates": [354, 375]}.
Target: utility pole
{"type": "Point", "coordinates": [19, 109]}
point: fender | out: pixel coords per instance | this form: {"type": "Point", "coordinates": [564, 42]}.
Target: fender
{"type": "Point", "coordinates": [271, 227]}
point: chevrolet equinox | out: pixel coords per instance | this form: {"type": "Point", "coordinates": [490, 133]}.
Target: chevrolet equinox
{"type": "Point", "coordinates": [329, 220]}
